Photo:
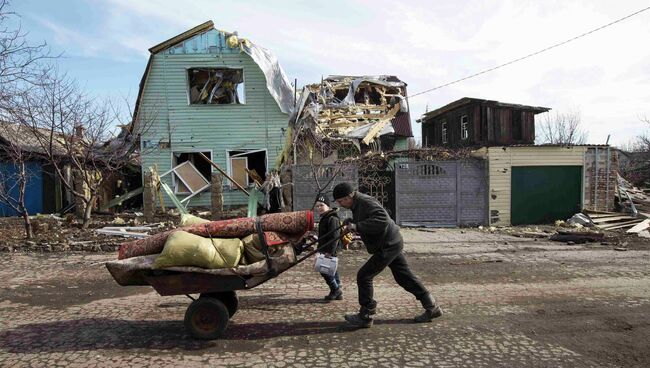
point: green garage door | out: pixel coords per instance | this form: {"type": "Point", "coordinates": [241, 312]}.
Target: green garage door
{"type": "Point", "coordinates": [543, 194]}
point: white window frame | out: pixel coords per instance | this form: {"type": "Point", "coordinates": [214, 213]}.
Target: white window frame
{"type": "Point", "coordinates": [175, 179]}
{"type": "Point", "coordinates": [443, 125]}
{"type": "Point", "coordinates": [187, 83]}
{"type": "Point", "coordinates": [464, 132]}
{"type": "Point", "coordinates": [244, 152]}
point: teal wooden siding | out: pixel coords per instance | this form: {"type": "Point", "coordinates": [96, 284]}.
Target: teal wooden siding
{"type": "Point", "coordinates": [258, 124]}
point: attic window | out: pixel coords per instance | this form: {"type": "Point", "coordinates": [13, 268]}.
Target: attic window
{"type": "Point", "coordinates": [216, 86]}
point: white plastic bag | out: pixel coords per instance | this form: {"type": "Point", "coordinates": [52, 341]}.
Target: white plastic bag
{"type": "Point", "coordinates": [326, 265]}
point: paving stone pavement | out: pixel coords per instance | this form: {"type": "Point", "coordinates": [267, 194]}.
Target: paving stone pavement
{"type": "Point", "coordinates": [508, 302]}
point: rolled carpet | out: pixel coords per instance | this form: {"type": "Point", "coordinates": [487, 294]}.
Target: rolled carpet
{"type": "Point", "coordinates": [288, 226]}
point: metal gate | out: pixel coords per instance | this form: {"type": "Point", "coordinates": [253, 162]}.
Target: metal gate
{"type": "Point", "coordinates": [305, 187]}
{"type": "Point", "coordinates": [441, 193]}
{"type": "Point", "coordinates": [380, 184]}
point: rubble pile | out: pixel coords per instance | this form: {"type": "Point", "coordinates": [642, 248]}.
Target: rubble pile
{"type": "Point", "coordinates": [346, 110]}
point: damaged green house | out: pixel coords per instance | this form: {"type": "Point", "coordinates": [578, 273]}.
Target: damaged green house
{"type": "Point", "coordinates": [208, 91]}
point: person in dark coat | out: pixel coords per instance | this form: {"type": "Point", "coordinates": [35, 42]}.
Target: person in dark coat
{"type": "Point", "coordinates": [384, 242]}
{"type": "Point", "coordinates": [330, 234]}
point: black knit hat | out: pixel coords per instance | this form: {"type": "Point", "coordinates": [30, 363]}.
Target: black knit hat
{"type": "Point", "coordinates": [323, 198]}
{"type": "Point", "coordinates": [341, 190]}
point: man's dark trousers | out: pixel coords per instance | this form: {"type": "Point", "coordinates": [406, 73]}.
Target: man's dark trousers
{"type": "Point", "coordinates": [392, 258]}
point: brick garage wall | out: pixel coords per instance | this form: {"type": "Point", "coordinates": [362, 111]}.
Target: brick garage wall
{"type": "Point", "coordinates": [600, 168]}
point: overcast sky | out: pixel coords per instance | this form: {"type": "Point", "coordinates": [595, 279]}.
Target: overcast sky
{"type": "Point", "coordinates": [605, 75]}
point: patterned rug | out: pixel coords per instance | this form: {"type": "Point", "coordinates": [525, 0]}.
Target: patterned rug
{"type": "Point", "coordinates": [279, 228]}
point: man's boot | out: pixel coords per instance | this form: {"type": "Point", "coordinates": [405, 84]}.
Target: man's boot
{"type": "Point", "coordinates": [336, 294]}
{"type": "Point", "coordinates": [362, 319]}
{"type": "Point", "coordinates": [431, 309]}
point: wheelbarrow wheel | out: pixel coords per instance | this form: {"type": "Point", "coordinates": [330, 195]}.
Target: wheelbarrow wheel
{"type": "Point", "coordinates": [206, 318]}
{"type": "Point", "coordinates": [228, 298]}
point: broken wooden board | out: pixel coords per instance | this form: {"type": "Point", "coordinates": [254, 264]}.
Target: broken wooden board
{"type": "Point", "coordinates": [126, 234]}
{"type": "Point", "coordinates": [643, 225]}
{"type": "Point", "coordinates": [118, 200]}
{"type": "Point", "coordinates": [621, 225]}
{"type": "Point", "coordinates": [609, 219]}
{"type": "Point", "coordinates": [644, 234]}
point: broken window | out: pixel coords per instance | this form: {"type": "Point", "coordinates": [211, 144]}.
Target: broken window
{"type": "Point", "coordinates": [247, 166]}
{"type": "Point", "coordinates": [202, 166]}
{"type": "Point", "coordinates": [444, 132]}
{"type": "Point", "coordinates": [216, 86]}
{"type": "Point", "coordinates": [464, 133]}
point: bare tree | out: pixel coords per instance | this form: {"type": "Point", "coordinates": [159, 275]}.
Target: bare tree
{"type": "Point", "coordinates": [20, 61]}
{"type": "Point", "coordinates": [562, 128]}
{"type": "Point", "coordinates": [16, 173]}
{"type": "Point", "coordinates": [76, 133]}
{"type": "Point", "coordinates": [20, 68]}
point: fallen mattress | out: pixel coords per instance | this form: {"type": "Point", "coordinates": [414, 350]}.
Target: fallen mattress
{"type": "Point", "coordinates": [279, 228]}
{"type": "Point", "coordinates": [131, 271]}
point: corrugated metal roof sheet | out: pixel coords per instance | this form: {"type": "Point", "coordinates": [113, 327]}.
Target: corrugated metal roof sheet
{"type": "Point", "coordinates": [402, 124]}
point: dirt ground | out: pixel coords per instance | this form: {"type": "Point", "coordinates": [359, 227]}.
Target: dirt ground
{"type": "Point", "coordinates": [508, 302]}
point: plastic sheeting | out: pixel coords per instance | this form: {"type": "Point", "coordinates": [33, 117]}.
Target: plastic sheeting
{"type": "Point", "coordinates": [276, 81]}
{"type": "Point", "coordinates": [362, 131]}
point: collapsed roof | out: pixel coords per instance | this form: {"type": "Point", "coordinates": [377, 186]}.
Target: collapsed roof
{"type": "Point", "coordinates": [357, 109]}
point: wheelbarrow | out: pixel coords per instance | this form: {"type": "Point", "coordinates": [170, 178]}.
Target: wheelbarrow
{"type": "Point", "coordinates": [208, 316]}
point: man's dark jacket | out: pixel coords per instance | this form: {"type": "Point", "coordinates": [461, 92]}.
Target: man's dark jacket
{"type": "Point", "coordinates": [378, 231]}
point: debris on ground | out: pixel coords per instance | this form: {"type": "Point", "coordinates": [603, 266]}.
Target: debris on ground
{"type": "Point", "coordinates": [632, 199]}
{"type": "Point", "coordinates": [612, 220]}
{"type": "Point", "coordinates": [577, 237]}
{"type": "Point", "coordinates": [126, 231]}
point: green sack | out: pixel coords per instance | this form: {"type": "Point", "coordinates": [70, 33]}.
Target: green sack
{"type": "Point", "coordinates": [252, 249]}
{"type": "Point", "coordinates": [185, 249]}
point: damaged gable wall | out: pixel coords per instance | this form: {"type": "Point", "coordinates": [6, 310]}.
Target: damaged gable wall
{"type": "Point", "coordinates": [183, 127]}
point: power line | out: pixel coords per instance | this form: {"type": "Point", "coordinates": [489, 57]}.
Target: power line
{"type": "Point", "coordinates": [532, 54]}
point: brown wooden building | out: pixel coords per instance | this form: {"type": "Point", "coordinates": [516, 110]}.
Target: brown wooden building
{"type": "Point", "coordinates": [477, 122]}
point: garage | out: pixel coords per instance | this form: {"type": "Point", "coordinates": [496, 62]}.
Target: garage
{"type": "Point", "coordinates": [543, 194]}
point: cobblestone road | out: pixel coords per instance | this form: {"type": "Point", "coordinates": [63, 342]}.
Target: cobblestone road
{"type": "Point", "coordinates": [508, 302]}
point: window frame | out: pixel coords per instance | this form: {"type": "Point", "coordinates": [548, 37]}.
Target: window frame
{"type": "Point", "coordinates": [175, 179]}
{"type": "Point", "coordinates": [244, 151]}
{"type": "Point", "coordinates": [464, 131]}
{"type": "Point", "coordinates": [443, 132]}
